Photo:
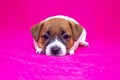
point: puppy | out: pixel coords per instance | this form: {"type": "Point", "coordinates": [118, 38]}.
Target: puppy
{"type": "Point", "coordinates": [58, 35]}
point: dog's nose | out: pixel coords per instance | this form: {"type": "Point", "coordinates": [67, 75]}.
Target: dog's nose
{"type": "Point", "coordinates": [55, 50]}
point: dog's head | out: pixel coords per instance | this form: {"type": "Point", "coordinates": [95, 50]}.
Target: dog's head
{"type": "Point", "coordinates": [56, 36]}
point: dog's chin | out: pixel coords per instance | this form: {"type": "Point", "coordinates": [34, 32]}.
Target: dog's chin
{"type": "Point", "coordinates": [50, 54]}
{"type": "Point", "coordinates": [60, 54]}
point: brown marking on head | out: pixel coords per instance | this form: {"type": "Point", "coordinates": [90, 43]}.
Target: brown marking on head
{"type": "Point", "coordinates": [76, 30]}
{"type": "Point", "coordinates": [35, 30]}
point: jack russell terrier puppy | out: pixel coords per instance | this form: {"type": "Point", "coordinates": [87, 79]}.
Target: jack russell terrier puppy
{"type": "Point", "coordinates": [58, 35]}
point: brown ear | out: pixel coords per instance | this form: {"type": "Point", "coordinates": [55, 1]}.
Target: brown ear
{"type": "Point", "coordinates": [76, 30]}
{"type": "Point", "coordinates": [35, 30]}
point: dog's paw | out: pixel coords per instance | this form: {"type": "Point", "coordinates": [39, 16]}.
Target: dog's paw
{"type": "Point", "coordinates": [38, 50]}
{"type": "Point", "coordinates": [71, 52]}
{"type": "Point", "coordinates": [84, 44]}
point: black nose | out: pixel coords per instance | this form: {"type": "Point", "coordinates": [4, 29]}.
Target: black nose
{"type": "Point", "coordinates": [55, 50]}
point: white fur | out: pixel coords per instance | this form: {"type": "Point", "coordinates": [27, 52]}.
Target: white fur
{"type": "Point", "coordinates": [56, 43]}
{"type": "Point", "coordinates": [38, 50]}
{"type": "Point", "coordinates": [80, 41]}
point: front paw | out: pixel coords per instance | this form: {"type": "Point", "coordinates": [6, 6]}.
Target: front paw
{"type": "Point", "coordinates": [38, 50]}
{"type": "Point", "coordinates": [71, 52]}
{"type": "Point", "coordinates": [84, 44]}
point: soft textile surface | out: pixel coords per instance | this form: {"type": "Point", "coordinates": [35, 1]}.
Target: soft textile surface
{"type": "Point", "coordinates": [99, 61]}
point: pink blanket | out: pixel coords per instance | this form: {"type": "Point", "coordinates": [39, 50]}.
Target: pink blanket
{"type": "Point", "coordinates": [99, 61]}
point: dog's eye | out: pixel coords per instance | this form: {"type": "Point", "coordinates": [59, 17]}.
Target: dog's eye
{"type": "Point", "coordinates": [45, 36]}
{"type": "Point", "coordinates": [66, 37]}
{"type": "Point", "coordinates": [62, 32]}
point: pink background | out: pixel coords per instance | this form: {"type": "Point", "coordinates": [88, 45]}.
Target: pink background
{"type": "Point", "coordinates": [100, 61]}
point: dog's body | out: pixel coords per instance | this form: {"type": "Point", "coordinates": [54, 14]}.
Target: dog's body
{"type": "Point", "coordinates": [58, 35]}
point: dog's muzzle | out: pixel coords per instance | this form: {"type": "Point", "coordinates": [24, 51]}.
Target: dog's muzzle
{"type": "Point", "coordinates": [56, 48]}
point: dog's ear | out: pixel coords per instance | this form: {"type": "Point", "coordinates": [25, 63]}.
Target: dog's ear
{"type": "Point", "coordinates": [35, 30]}
{"type": "Point", "coordinates": [76, 30]}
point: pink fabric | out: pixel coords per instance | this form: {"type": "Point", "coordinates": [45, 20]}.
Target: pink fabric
{"type": "Point", "coordinates": [100, 61]}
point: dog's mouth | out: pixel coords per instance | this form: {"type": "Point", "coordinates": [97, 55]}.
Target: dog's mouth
{"type": "Point", "coordinates": [54, 53]}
